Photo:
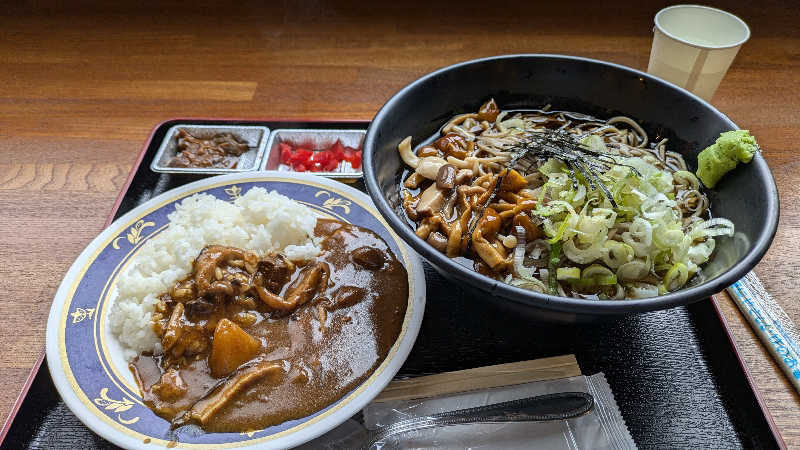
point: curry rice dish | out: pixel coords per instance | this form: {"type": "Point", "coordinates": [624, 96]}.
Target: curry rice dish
{"type": "Point", "coordinates": [251, 337]}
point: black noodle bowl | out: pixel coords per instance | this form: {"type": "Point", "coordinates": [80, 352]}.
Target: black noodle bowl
{"type": "Point", "coordinates": [747, 196]}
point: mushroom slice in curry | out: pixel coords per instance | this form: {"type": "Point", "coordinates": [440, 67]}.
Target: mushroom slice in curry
{"type": "Point", "coordinates": [249, 342]}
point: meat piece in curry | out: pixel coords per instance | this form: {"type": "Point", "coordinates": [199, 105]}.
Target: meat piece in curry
{"type": "Point", "coordinates": [220, 151]}
{"type": "Point", "coordinates": [249, 342]}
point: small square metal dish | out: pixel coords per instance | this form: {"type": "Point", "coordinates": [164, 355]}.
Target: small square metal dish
{"type": "Point", "coordinates": [316, 141]}
{"type": "Point", "coordinates": [254, 136]}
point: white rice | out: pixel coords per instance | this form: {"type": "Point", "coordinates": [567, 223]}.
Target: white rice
{"type": "Point", "coordinates": [258, 221]}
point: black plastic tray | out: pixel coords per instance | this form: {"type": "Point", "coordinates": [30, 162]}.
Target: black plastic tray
{"type": "Point", "coordinates": [676, 374]}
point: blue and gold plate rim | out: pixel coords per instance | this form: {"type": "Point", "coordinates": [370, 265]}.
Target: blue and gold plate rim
{"type": "Point", "coordinates": [87, 365]}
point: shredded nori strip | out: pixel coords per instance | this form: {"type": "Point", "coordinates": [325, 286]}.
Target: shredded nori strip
{"type": "Point", "coordinates": [578, 157]}
{"type": "Point", "coordinates": [564, 147]}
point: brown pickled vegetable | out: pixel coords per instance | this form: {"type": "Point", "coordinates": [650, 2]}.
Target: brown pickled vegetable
{"type": "Point", "coordinates": [250, 342]}
{"type": "Point", "coordinates": [220, 151]}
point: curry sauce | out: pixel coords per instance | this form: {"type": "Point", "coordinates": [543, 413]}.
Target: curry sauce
{"type": "Point", "coordinates": [250, 342]}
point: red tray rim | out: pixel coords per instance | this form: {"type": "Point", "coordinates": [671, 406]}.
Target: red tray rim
{"type": "Point", "coordinates": [135, 168]}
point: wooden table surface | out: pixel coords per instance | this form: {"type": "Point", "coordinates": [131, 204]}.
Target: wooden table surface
{"type": "Point", "coordinates": [80, 89]}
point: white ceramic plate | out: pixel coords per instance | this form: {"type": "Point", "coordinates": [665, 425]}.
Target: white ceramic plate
{"type": "Point", "coordinates": [87, 364]}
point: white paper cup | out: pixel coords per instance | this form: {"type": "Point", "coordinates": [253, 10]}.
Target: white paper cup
{"type": "Point", "coordinates": [693, 46]}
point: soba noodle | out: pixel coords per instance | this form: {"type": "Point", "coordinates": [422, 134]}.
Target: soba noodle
{"type": "Point", "coordinates": [561, 202]}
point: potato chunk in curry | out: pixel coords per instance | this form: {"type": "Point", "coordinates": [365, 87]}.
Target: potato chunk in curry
{"type": "Point", "coordinates": [230, 348]}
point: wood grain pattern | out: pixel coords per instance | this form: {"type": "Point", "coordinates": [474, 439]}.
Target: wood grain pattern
{"type": "Point", "coordinates": [142, 90]}
{"type": "Point", "coordinates": [486, 377]}
{"type": "Point", "coordinates": [83, 84]}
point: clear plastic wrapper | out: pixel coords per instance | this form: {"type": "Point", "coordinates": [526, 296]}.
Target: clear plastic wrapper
{"type": "Point", "coordinates": [601, 428]}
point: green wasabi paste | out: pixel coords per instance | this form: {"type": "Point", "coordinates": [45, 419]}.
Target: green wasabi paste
{"type": "Point", "coordinates": [724, 155]}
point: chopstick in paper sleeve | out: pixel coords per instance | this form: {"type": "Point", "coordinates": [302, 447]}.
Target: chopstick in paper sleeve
{"type": "Point", "coordinates": [771, 324]}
